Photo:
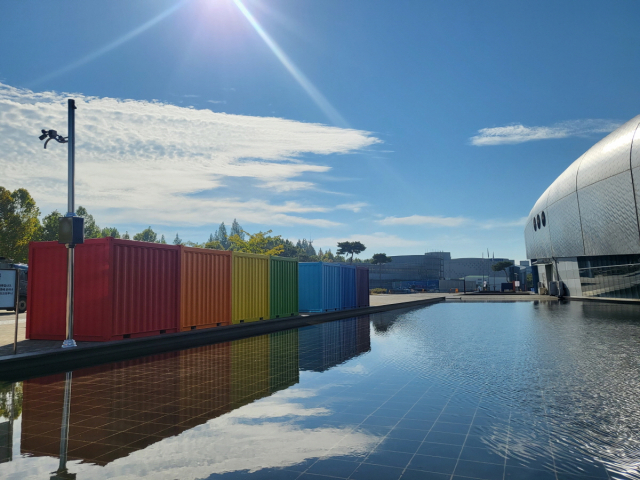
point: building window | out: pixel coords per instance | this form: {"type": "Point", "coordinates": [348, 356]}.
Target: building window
{"type": "Point", "coordinates": [544, 220]}
{"type": "Point", "coordinates": [538, 221]}
{"type": "Point", "coordinates": [535, 228]}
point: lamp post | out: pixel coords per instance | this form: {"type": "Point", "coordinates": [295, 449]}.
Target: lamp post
{"type": "Point", "coordinates": [71, 227]}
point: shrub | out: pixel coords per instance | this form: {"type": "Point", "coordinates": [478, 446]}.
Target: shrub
{"type": "Point", "coordinates": [376, 291]}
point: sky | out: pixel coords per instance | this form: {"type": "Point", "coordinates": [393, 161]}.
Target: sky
{"type": "Point", "coordinates": [409, 126]}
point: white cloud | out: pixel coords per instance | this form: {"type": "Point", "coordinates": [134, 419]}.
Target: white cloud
{"type": "Point", "coordinates": [354, 207]}
{"type": "Point", "coordinates": [491, 224]}
{"type": "Point", "coordinates": [216, 101]}
{"type": "Point", "coordinates": [518, 133]}
{"type": "Point", "coordinates": [155, 163]}
{"type": "Point", "coordinates": [424, 220]}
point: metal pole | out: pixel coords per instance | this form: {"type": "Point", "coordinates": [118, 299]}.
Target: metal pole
{"type": "Point", "coordinates": [17, 302]}
{"type": "Point", "coordinates": [64, 432]}
{"type": "Point", "coordinates": [70, 342]}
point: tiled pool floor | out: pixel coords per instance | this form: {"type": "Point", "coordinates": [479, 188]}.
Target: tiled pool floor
{"type": "Point", "coordinates": [484, 391]}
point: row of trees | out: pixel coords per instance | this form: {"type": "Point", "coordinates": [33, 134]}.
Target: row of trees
{"type": "Point", "coordinates": [20, 224]}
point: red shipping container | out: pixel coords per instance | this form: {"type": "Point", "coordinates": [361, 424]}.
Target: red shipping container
{"type": "Point", "coordinates": [123, 289]}
{"type": "Point", "coordinates": [362, 286]}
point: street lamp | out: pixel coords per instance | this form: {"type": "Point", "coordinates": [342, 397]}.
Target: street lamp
{"type": "Point", "coordinates": [71, 227]}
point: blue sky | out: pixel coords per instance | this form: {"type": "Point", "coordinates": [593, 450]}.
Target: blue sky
{"type": "Point", "coordinates": [411, 126]}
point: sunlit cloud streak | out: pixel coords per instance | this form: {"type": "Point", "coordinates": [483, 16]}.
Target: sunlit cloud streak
{"type": "Point", "coordinates": [519, 133]}
{"type": "Point", "coordinates": [110, 46]}
{"type": "Point", "coordinates": [300, 77]}
{"type": "Point", "coordinates": [151, 163]}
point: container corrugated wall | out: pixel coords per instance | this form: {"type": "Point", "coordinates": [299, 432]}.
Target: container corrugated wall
{"type": "Point", "coordinates": [362, 286]}
{"type": "Point", "coordinates": [348, 286]}
{"type": "Point", "coordinates": [146, 283]}
{"type": "Point", "coordinates": [283, 286]}
{"type": "Point", "coordinates": [319, 287]}
{"type": "Point", "coordinates": [249, 370]}
{"type": "Point", "coordinates": [46, 291]}
{"type": "Point", "coordinates": [123, 289]}
{"type": "Point", "coordinates": [205, 288]}
{"type": "Point", "coordinates": [250, 290]}
{"type": "Point", "coordinates": [283, 360]}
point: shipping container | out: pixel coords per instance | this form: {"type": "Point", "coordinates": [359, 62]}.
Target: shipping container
{"type": "Point", "coordinates": [205, 288]}
{"type": "Point", "coordinates": [123, 289]}
{"type": "Point", "coordinates": [250, 290]}
{"type": "Point", "coordinates": [283, 286]}
{"type": "Point", "coordinates": [362, 286]}
{"type": "Point", "coordinates": [348, 286]}
{"type": "Point", "coordinates": [319, 287]}
{"type": "Point", "coordinates": [249, 370]}
{"type": "Point", "coordinates": [283, 360]}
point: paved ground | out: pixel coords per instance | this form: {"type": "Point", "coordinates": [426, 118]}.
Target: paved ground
{"type": "Point", "coordinates": [457, 297]}
{"type": "Point", "coordinates": [30, 346]}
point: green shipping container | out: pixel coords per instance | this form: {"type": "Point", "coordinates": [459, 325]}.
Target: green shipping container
{"type": "Point", "coordinates": [283, 360]}
{"type": "Point", "coordinates": [284, 287]}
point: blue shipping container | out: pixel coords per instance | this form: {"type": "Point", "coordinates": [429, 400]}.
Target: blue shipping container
{"type": "Point", "coordinates": [348, 286]}
{"type": "Point", "coordinates": [319, 287]}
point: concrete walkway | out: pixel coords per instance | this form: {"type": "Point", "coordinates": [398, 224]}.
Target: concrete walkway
{"type": "Point", "coordinates": [385, 299]}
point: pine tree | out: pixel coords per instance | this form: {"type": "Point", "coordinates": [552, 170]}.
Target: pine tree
{"type": "Point", "coordinates": [236, 229]}
{"type": "Point", "coordinates": [177, 240]}
{"type": "Point", "coordinates": [221, 236]}
{"type": "Point", "coordinates": [162, 240]}
{"type": "Point", "coordinates": [126, 236]}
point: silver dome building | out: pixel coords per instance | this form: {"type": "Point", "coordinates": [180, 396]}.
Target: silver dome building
{"type": "Point", "coordinates": [583, 231]}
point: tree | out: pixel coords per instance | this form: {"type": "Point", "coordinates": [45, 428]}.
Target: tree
{"type": "Point", "coordinates": [162, 240]}
{"type": "Point", "coordinates": [147, 235]}
{"type": "Point", "coordinates": [126, 236]}
{"type": "Point", "coordinates": [19, 223]}
{"type": "Point", "coordinates": [236, 229]}
{"type": "Point", "coordinates": [346, 248]}
{"type": "Point", "coordinates": [50, 227]}
{"type": "Point", "coordinates": [257, 243]}
{"type": "Point", "coordinates": [177, 240]}
{"type": "Point", "coordinates": [380, 259]}
{"type": "Point", "coordinates": [502, 267]}
{"type": "Point", "coordinates": [110, 232]}
{"type": "Point", "coordinates": [91, 230]}
{"type": "Point", "coordinates": [221, 236]}
{"type": "Point", "coordinates": [213, 245]}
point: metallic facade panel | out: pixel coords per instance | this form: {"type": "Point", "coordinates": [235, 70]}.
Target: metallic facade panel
{"type": "Point", "coordinates": [609, 219]}
{"type": "Point", "coordinates": [565, 229]}
{"type": "Point", "coordinates": [635, 149]}
{"type": "Point", "coordinates": [250, 287]}
{"type": "Point", "coordinates": [362, 286]}
{"type": "Point", "coordinates": [283, 287]}
{"type": "Point", "coordinates": [565, 184]}
{"type": "Point", "coordinates": [608, 157]}
{"type": "Point", "coordinates": [205, 288]}
{"type": "Point", "coordinates": [636, 185]}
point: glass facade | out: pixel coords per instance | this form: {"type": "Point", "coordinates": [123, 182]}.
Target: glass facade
{"type": "Point", "coordinates": [611, 276]}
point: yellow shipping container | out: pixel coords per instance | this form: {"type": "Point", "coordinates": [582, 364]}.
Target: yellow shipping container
{"type": "Point", "coordinates": [250, 288]}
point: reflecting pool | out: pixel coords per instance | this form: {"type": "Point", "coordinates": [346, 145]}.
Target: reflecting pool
{"type": "Point", "coordinates": [469, 390]}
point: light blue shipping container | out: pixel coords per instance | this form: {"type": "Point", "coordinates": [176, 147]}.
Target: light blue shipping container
{"type": "Point", "coordinates": [348, 286]}
{"type": "Point", "coordinates": [319, 287]}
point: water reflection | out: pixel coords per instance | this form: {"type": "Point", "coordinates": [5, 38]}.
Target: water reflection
{"type": "Point", "coordinates": [117, 409]}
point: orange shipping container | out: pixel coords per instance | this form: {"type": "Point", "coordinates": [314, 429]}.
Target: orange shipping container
{"type": "Point", "coordinates": [205, 288]}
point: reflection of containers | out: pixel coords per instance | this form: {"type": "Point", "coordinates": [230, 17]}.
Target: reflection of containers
{"type": "Point", "coordinates": [249, 370]}
{"type": "Point", "coordinates": [123, 289]}
{"type": "Point", "coordinates": [348, 286]}
{"type": "Point", "coordinates": [363, 334]}
{"type": "Point", "coordinates": [205, 288]}
{"type": "Point", "coordinates": [362, 286]}
{"type": "Point", "coordinates": [319, 287]}
{"type": "Point", "coordinates": [283, 360]}
{"type": "Point", "coordinates": [250, 291]}
{"type": "Point", "coordinates": [283, 285]}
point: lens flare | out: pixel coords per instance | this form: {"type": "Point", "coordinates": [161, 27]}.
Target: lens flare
{"type": "Point", "coordinates": [300, 77]}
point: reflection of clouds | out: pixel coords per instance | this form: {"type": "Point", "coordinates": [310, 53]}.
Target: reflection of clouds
{"type": "Point", "coordinates": [358, 369]}
{"type": "Point", "coordinates": [225, 444]}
